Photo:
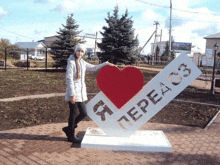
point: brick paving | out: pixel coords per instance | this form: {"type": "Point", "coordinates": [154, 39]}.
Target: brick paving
{"type": "Point", "coordinates": [47, 144]}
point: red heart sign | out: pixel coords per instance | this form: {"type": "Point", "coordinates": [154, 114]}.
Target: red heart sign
{"type": "Point", "coordinates": [120, 86]}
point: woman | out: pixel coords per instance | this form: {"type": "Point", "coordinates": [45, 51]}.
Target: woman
{"type": "Point", "coordinates": [76, 89]}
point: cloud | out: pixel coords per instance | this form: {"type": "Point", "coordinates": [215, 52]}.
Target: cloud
{"type": "Point", "coordinates": [207, 30]}
{"type": "Point", "coordinates": [151, 15]}
{"type": "Point", "coordinates": [195, 21]}
{"type": "Point", "coordinates": [44, 1]}
{"type": "Point", "coordinates": [39, 32]}
{"type": "Point", "coordinates": [2, 13]}
{"type": "Point", "coordinates": [193, 24]}
{"type": "Point", "coordinates": [35, 31]}
{"type": "Point", "coordinates": [86, 5]}
{"type": "Point", "coordinates": [66, 7]}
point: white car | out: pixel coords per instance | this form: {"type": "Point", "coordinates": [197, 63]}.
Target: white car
{"type": "Point", "coordinates": [38, 58]}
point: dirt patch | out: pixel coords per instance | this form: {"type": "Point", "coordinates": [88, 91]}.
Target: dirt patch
{"type": "Point", "coordinates": [31, 112]}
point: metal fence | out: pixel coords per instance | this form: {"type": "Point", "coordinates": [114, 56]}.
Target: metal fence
{"type": "Point", "coordinates": [24, 58]}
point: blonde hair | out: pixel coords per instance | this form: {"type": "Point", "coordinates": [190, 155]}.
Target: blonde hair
{"type": "Point", "coordinates": [77, 66]}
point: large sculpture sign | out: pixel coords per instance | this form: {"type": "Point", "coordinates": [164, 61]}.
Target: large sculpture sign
{"type": "Point", "coordinates": [123, 105]}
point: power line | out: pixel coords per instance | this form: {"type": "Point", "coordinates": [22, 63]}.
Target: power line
{"type": "Point", "coordinates": [194, 12]}
{"type": "Point", "coordinates": [147, 26]}
{"type": "Point", "coordinates": [176, 21]}
{"type": "Point", "coordinates": [153, 4]}
{"type": "Point", "coordinates": [16, 34]}
{"type": "Point", "coordinates": [196, 20]}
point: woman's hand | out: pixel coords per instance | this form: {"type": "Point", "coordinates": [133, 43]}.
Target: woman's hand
{"type": "Point", "coordinates": [110, 64]}
{"type": "Point", "coordinates": [72, 99]}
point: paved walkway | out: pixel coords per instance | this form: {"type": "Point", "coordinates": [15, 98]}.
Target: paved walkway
{"type": "Point", "coordinates": [47, 144]}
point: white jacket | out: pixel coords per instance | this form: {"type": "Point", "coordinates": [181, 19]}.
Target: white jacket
{"type": "Point", "coordinates": [77, 87]}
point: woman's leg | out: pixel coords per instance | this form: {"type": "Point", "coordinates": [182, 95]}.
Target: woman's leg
{"type": "Point", "coordinates": [72, 122]}
{"type": "Point", "coordinates": [72, 116]}
{"type": "Point", "coordinates": [82, 112]}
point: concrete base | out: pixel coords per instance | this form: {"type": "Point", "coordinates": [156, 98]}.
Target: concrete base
{"type": "Point", "coordinates": [143, 140]}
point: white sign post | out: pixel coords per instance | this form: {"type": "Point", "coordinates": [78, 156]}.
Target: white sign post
{"type": "Point", "coordinates": [156, 94]}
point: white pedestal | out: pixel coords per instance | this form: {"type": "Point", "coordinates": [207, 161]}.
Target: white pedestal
{"type": "Point", "coordinates": [143, 140]}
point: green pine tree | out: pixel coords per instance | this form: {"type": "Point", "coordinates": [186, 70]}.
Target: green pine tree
{"type": "Point", "coordinates": [157, 52]}
{"type": "Point", "coordinates": [164, 56]}
{"type": "Point", "coordinates": [63, 47]}
{"type": "Point", "coordinates": [119, 45]}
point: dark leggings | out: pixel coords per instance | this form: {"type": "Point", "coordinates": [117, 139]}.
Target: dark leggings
{"type": "Point", "coordinates": [75, 117]}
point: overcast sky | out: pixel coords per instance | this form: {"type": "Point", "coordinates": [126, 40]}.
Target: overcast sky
{"type": "Point", "coordinates": [27, 20]}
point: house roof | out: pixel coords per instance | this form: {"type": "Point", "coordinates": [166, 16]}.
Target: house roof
{"type": "Point", "coordinates": [28, 44]}
{"type": "Point", "coordinates": [217, 35]}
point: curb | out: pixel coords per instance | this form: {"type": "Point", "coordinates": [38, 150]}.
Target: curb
{"type": "Point", "coordinates": [36, 96]}
{"type": "Point", "coordinates": [32, 97]}
{"type": "Point", "coordinates": [192, 102]}
{"type": "Point", "coordinates": [63, 94]}
{"type": "Point", "coordinates": [213, 119]}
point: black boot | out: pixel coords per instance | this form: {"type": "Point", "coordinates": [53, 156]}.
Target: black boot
{"type": "Point", "coordinates": [66, 131]}
{"type": "Point", "coordinates": [73, 138]}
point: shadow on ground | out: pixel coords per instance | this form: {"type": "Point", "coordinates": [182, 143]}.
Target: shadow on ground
{"type": "Point", "coordinates": [50, 138]}
{"type": "Point", "coordinates": [179, 158]}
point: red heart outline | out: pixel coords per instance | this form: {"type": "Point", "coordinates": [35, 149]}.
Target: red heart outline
{"type": "Point", "coordinates": [120, 85]}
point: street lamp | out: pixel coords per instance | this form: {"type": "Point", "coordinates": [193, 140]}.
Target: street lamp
{"type": "Point", "coordinates": [213, 72]}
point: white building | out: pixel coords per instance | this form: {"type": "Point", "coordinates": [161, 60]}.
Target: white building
{"type": "Point", "coordinates": [90, 41]}
{"type": "Point", "coordinates": [34, 48]}
{"type": "Point", "coordinates": [208, 59]}
{"type": "Point", "coordinates": [161, 45]}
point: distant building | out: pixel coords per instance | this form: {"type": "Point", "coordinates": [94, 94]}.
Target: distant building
{"type": "Point", "coordinates": [34, 48]}
{"type": "Point", "coordinates": [49, 40]}
{"type": "Point", "coordinates": [88, 38]}
{"type": "Point", "coordinates": [209, 52]}
{"type": "Point", "coordinates": [196, 55]}
{"type": "Point", "coordinates": [161, 45]}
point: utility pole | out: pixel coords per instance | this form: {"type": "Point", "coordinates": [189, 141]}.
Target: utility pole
{"type": "Point", "coordinates": [95, 42]}
{"type": "Point", "coordinates": [169, 53]}
{"type": "Point", "coordinates": [46, 59]}
{"type": "Point", "coordinates": [5, 58]}
{"type": "Point", "coordinates": [27, 58]}
{"type": "Point", "coordinates": [154, 53]}
{"type": "Point", "coordinates": [159, 53]}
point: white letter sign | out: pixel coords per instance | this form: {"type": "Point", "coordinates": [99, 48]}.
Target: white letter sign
{"type": "Point", "coordinates": [156, 94]}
